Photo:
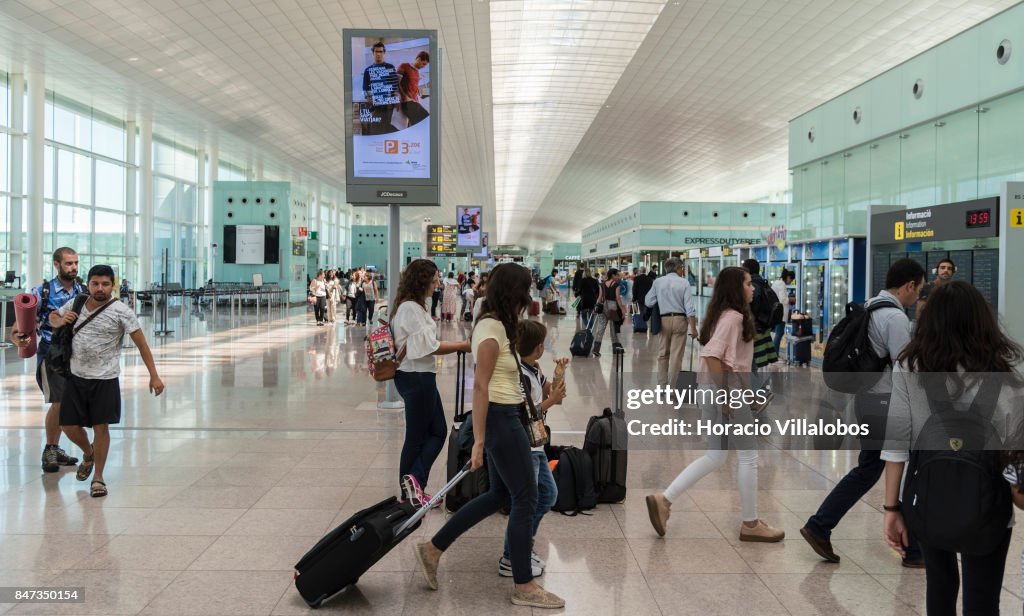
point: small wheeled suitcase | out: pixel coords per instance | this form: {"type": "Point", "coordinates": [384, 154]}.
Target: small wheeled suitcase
{"type": "Point", "coordinates": [639, 324]}
{"type": "Point", "coordinates": [460, 447]}
{"type": "Point", "coordinates": [583, 340]}
{"type": "Point", "coordinates": [534, 308]}
{"type": "Point", "coordinates": [337, 560]}
{"type": "Point", "coordinates": [799, 342]}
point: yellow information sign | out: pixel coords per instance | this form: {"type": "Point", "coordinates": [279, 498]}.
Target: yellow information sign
{"type": "Point", "coordinates": [1017, 217]}
{"type": "Point", "coordinates": [900, 231]}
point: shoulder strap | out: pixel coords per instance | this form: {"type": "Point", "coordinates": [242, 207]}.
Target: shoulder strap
{"type": "Point", "coordinates": [983, 405]}
{"type": "Point", "coordinates": [93, 315]}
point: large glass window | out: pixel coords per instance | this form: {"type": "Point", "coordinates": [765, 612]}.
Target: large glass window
{"type": "Point", "coordinates": [110, 182]}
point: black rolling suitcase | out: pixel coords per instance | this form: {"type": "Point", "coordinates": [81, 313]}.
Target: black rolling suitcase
{"type": "Point", "coordinates": [801, 337]}
{"type": "Point", "coordinates": [605, 441]}
{"type": "Point", "coordinates": [639, 324]}
{"type": "Point", "coordinates": [337, 560]}
{"type": "Point", "coordinates": [460, 447]}
{"type": "Point", "coordinates": [583, 340]}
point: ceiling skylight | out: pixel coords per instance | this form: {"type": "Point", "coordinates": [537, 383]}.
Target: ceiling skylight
{"type": "Point", "coordinates": [554, 63]}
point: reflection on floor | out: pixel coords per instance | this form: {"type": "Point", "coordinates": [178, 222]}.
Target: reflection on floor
{"type": "Point", "coordinates": [269, 435]}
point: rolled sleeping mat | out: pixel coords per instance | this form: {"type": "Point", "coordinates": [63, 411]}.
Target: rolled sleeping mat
{"type": "Point", "coordinates": [25, 305]}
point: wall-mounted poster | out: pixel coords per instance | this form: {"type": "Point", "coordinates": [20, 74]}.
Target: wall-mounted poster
{"type": "Point", "coordinates": [469, 223]}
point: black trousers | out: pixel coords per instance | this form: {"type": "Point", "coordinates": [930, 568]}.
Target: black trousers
{"type": "Point", "coordinates": [320, 309]}
{"type": "Point", "coordinates": [982, 580]}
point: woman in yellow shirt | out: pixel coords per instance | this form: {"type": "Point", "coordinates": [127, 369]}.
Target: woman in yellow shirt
{"type": "Point", "coordinates": [497, 429]}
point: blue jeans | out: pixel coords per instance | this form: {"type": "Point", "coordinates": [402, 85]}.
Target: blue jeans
{"type": "Point", "coordinates": [780, 331]}
{"type": "Point", "coordinates": [847, 492]}
{"type": "Point", "coordinates": [547, 492]}
{"type": "Point", "coordinates": [425, 427]}
{"type": "Point", "coordinates": [361, 309]}
{"type": "Point", "coordinates": [510, 469]}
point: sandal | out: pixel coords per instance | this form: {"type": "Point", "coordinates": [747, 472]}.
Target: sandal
{"type": "Point", "coordinates": [85, 468]}
{"type": "Point", "coordinates": [97, 489]}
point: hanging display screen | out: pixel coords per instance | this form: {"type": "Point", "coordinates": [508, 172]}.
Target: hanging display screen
{"type": "Point", "coordinates": [441, 241]}
{"type": "Point", "coordinates": [392, 111]}
{"type": "Point", "coordinates": [468, 219]}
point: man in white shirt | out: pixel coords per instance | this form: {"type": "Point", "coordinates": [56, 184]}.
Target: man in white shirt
{"type": "Point", "coordinates": [92, 394]}
{"type": "Point", "coordinates": [672, 295]}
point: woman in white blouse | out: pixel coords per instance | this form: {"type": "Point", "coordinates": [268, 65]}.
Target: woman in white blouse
{"type": "Point", "coordinates": [416, 379]}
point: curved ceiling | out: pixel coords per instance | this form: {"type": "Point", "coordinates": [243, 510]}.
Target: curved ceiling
{"type": "Point", "coordinates": [557, 112]}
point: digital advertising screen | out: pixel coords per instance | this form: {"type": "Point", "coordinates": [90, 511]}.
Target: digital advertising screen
{"type": "Point", "coordinates": [468, 219]}
{"type": "Point", "coordinates": [485, 249]}
{"type": "Point", "coordinates": [391, 98]}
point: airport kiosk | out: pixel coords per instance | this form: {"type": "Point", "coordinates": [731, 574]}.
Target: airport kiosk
{"type": "Point", "coordinates": [966, 232]}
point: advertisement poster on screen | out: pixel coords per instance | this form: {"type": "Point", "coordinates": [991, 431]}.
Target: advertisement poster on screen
{"type": "Point", "coordinates": [485, 250]}
{"type": "Point", "coordinates": [391, 106]}
{"type": "Point", "coordinates": [468, 221]}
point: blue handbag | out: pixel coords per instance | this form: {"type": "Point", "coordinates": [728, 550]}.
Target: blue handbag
{"type": "Point", "coordinates": [655, 324]}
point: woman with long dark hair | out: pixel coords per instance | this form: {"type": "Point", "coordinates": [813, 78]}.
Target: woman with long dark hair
{"type": "Point", "coordinates": [727, 351]}
{"type": "Point", "coordinates": [612, 310]}
{"type": "Point", "coordinates": [497, 429]}
{"type": "Point", "coordinates": [959, 359]}
{"type": "Point", "coordinates": [416, 379]}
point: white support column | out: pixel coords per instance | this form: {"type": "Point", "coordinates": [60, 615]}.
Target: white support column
{"type": "Point", "coordinates": [146, 203]}
{"type": "Point", "coordinates": [131, 200]}
{"type": "Point", "coordinates": [202, 196]}
{"type": "Point", "coordinates": [214, 176]}
{"type": "Point", "coordinates": [17, 169]}
{"type": "Point", "coordinates": [36, 147]}
{"type": "Point", "coordinates": [259, 170]}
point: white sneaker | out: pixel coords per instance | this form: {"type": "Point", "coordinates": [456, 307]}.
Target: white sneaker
{"type": "Point", "coordinates": [505, 568]}
{"type": "Point", "coordinates": [537, 560]}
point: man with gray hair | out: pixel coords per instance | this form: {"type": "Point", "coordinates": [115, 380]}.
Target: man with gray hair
{"type": "Point", "coordinates": [672, 295]}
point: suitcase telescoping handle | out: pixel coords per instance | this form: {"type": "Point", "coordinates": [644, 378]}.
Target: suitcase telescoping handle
{"type": "Point", "coordinates": [618, 369]}
{"type": "Point", "coordinates": [422, 511]}
{"type": "Point", "coordinates": [460, 386]}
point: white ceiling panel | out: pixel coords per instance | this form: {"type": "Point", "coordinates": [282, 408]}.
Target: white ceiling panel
{"type": "Point", "coordinates": [557, 112]}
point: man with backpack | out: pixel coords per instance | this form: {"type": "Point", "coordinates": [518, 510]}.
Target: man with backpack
{"type": "Point", "coordinates": [51, 295]}
{"type": "Point", "coordinates": [768, 312]}
{"type": "Point", "coordinates": [888, 332]}
{"type": "Point", "coordinates": [92, 398]}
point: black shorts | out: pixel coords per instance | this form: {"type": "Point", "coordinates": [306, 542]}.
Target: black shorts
{"type": "Point", "coordinates": [50, 383]}
{"type": "Point", "coordinates": [90, 402]}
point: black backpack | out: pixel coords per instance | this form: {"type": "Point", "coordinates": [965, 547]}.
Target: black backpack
{"type": "Point", "coordinates": [769, 309]}
{"type": "Point", "coordinates": [58, 354]}
{"type": "Point", "coordinates": [850, 364]}
{"type": "Point", "coordinates": [574, 476]}
{"type": "Point", "coordinates": [955, 497]}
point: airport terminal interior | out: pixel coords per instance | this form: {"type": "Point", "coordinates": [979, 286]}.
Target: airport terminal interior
{"type": "Point", "coordinates": [257, 176]}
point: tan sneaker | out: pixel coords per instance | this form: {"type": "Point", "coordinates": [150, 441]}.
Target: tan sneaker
{"type": "Point", "coordinates": [538, 597]}
{"type": "Point", "coordinates": [659, 510]}
{"type": "Point", "coordinates": [427, 565]}
{"type": "Point", "coordinates": [761, 533]}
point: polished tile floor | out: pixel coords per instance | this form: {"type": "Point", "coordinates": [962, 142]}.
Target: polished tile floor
{"type": "Point", "coordinates": [269, 435]}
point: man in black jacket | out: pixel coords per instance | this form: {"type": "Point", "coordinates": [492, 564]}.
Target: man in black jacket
{"type": "Point", "coordinates": [641, 285]}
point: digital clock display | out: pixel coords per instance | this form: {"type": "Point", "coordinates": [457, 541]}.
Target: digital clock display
{"type": "Point", "coordinates": [979, 218]}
